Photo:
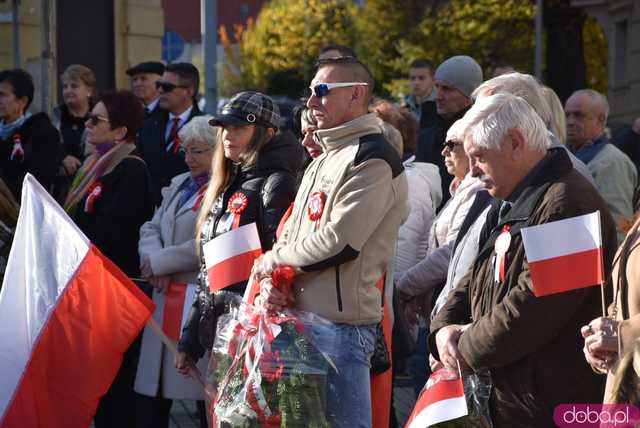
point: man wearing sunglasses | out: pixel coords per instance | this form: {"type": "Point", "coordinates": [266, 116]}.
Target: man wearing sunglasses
{"type": "Point", "coordinates": [158, 140]}
{"type": "Point", "coordinates": [342, 232]}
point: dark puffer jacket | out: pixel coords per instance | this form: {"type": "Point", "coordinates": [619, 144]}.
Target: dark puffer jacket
{"type": "Point", "coordinates": [270, 186]}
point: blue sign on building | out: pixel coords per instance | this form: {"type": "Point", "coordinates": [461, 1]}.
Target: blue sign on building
{"type": "Point", "coordinates": [172, 46]}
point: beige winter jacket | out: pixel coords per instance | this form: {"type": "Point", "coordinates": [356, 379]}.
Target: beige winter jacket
{"type": "Point", "coordinates": [347, 251]}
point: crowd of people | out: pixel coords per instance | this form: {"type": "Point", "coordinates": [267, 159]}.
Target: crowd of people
{"type": "Point", "coordinates": [387, 213]}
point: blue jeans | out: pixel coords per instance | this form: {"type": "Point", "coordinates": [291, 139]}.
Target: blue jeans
{"type": "Point", "coordinates": [349, 389]}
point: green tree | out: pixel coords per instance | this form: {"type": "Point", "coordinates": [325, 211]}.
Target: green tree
{"type": "Point", "coordinates": [280, 48]}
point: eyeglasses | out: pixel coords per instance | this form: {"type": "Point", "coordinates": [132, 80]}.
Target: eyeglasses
{"type": "Point", "coordinates": [167, 86]}
{"type": "Point", "coordinates": [322, 89]}
{"type": "Point", "coordinates": [451, 144]}
{"type": "Point", "coordinates": [193, 152]}
{"type": "Point", "coordinates": [95, 119]}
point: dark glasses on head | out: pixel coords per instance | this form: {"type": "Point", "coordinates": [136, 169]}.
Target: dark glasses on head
{"type": "Point", "coordinates": [322, 89]}
{"type": "Point", "coordinates": [95, 119]}
{"type": "Point", "coordinates": [167, 86]}
{"type": "Point", "coordinates": [451, 144]}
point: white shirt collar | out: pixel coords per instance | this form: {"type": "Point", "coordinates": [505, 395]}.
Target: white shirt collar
{"type": "Point", "coordinates": [183, 116]}
{"type": "Point", "coordinates": [153, 104]}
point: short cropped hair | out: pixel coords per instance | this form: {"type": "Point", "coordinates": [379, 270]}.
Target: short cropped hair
{"type": "Point", "coordinates": [343, 50]}
{"type": "Point", "coordinates": [522, 85]}
{"type": "Point", "coordinates": [187, 73]}
{"type": "Point", "coordinates": [422, 63]}
{"type": "Point", "coordinates": [198, 130]}
{"type": "Point", "coordinates": [357, 71]}
{"type": "Point", "coordinates": [21, 82]}
{"type": "Point", "coordinates": [124, 109]}
{"type": "Point", "coordinates": [492, 116]}
{"type": "Point", "coordinates": [80, 73]}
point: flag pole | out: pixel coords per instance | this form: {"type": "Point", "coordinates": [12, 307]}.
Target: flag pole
{"type": "Point", "coordinates": [193, 371]}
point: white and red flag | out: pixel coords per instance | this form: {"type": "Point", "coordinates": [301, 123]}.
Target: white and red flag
{"type": "Point", "coordinates": [564, 255]}
{"type": "Point", "coordinates": [177, 304]}
{"type": "Point", "coordinates": [230, 256]}
{"type": "Point", "coordinates": [441, 400]}
{"type": "Point", "coordinates": [67, 315]}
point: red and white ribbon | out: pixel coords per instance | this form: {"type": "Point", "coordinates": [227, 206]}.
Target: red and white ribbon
{"type": "Point", "coordinates": [92, 195]}
{"type": "Point", "coordinates": [17, 150]}
{"type": "Point", "coordinates": [237, 204]}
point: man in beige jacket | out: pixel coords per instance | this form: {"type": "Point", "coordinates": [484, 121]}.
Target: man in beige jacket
{"type": "Point", "coordinates": [342, 232]}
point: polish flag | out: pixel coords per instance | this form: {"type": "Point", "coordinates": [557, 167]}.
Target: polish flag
{"type": "Point", "coordinates": [67, 315]}
{"type": "Point", "coordinates": [230, 256]}
{"type": "Point", "coordinates": [564, 255]}
{"type": "Point", "coordinates": [177, 304]}
{"type": "Point", "coordinates": [442, 400]}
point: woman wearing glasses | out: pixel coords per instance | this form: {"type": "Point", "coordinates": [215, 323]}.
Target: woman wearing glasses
{"type": "Point", "coordinates": [253, 181]}
{"type": "Point", "coordinates": [418, 284]}
{"type": "Point", "coordinates": [109, 200]}
{"type": "Point", "coordinates": [168, 261]}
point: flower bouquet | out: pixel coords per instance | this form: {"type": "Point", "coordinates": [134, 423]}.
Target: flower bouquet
{"type": "Point", "coordinates": [267, 368]}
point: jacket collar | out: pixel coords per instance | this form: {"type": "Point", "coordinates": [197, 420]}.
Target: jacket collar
{"type": "Point", "coordinates": [530, 191]}
{"type": "Point", "coordinates": [349, 132]}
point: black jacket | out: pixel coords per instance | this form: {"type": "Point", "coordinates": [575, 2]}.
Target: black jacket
{"type": "Point", "coordinates": [162, 165]}
{"type": "Point", "coordinates": [113, 225]}
{"type": "Point", "coordinates": [41, 145]}
{"type": "Point", "coordinates": [429, 149]}
{"type": "Point", "coordinates": [270, 186]}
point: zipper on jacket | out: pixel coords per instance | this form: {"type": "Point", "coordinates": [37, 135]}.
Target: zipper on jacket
{"type": "Point", "coordinates": [338, 292]}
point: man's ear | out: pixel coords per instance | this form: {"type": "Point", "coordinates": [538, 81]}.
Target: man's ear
{"type": "Point", "coordinates": [517, 143]}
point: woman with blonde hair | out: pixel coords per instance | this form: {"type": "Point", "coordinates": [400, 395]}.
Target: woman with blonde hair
{"type": "Point", "coordinates": [78, 89]}
{"type": "Point", "coordinates": [253, 181]}
{"type": "Point", "coordinates": [558, 123]}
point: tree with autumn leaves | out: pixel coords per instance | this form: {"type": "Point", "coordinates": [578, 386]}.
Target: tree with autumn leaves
{"type": "Point", "coordinates": [276, 52]}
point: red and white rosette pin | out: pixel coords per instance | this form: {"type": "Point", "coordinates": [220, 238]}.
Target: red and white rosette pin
{"type": "Point", "coordinates": [503, 242]}
{"type": "Point", "coordinates": [17, 152]}
{"type": "Point", "coordinates": [316, 207]}
{"type": "Point", "coordinates": [237, 204]}
{"type": "Point", "coordinates": [93, 194]}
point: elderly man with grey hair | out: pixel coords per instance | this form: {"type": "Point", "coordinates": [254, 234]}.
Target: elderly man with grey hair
{"type": "Point", "coordinates": [493, 321]}
{"type": "Point", "coordinates": [527, 87]}
{"type": "Point", "coordinates": [614, 173]}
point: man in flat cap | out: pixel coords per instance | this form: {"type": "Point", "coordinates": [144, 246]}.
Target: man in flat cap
{"type": "Point", "coordinates": [143, 83]}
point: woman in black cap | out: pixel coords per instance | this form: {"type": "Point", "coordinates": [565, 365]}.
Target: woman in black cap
{"type": "Point", "coordinates": [253, 181]}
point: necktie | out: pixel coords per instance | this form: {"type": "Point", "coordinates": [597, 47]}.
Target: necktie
{"type": "Point", "coordinates": [174, 129]}
{"type": "Point", "coordinates": [171, 141]}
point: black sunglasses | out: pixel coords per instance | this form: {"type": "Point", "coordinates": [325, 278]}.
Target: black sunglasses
{"type": "Point", "coordinates": [451, 144]}
{"type": "Point", "coordinates": [167, 86]}
{"type": "Point", "coordinates": [95, 119]}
